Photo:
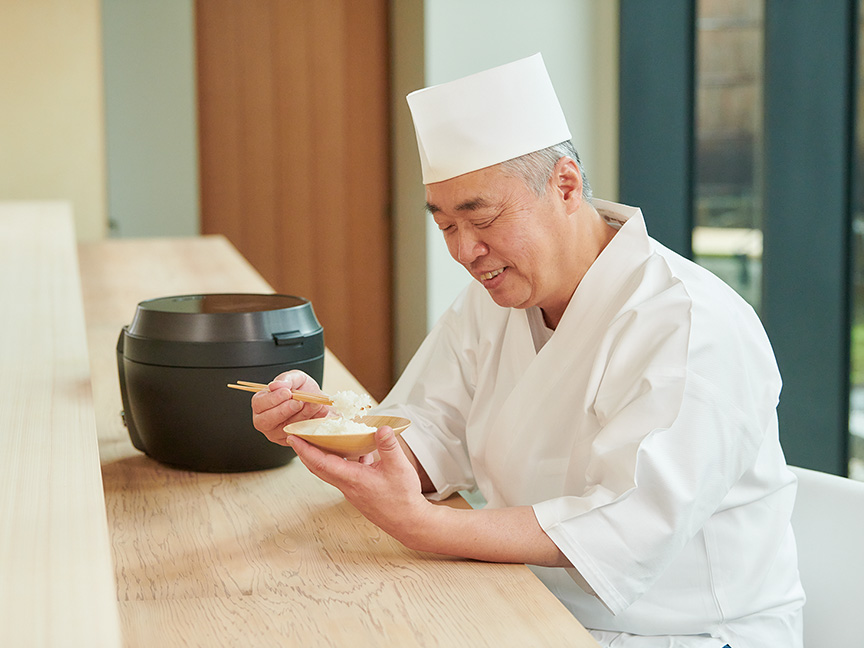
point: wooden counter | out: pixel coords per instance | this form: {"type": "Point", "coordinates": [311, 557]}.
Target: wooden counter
{"type": "Point", "coordinates": [271, 558]}
{"type": "Point", "coordinates": [56, 577]}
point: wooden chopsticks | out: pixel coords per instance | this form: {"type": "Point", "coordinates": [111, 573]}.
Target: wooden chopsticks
{"type": "Point", "coordinates": [321, 399]}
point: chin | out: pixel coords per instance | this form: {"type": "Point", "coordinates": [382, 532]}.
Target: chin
{"type": "Point", "coordinates": [508, 301]}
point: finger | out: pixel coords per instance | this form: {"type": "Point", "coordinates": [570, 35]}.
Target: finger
{"type": "Point", "coordinates": [308, 411]}
{"type": "Point", "coordinates": [266, 400]}
{"type": "Point", "coordinates": [286, 383]}
{"type": "Point", "coordinates": [387, 444]}
{"type": "Point", "coordinates": [291, 378]}
{"type": "Point", "coordinates": [328, 467]}
{"type": "Point", "coordinates": [270, 411]}
{"type": "Point", "coordinates": [295, 379]}
{"type": "Point", "coordinates": [276, 432]}
{"type": "Point", "coordinates": [392, 457]}
{"type": "Point", "coordinates": [279, 438]}
{"type": "Point", "coordinates": [276, 409]}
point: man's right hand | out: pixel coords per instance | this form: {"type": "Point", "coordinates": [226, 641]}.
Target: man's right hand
{"type": "Point", "coordinates": [274, 409]}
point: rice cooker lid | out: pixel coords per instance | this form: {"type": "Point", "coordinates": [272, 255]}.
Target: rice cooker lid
{"type": "Point", "coordinates": [225, 329]}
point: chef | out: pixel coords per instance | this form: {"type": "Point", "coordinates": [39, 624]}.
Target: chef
{"type": "Point", "coordinates": [614, 403]}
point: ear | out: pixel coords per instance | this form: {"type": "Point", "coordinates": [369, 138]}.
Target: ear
{"type": "Point", "coordinates": [567, 181]}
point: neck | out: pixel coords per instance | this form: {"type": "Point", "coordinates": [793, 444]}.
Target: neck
{"type": "Point", "coordinates": [591, 236]}
{"type": "Point", "coordinates": [552, 319]}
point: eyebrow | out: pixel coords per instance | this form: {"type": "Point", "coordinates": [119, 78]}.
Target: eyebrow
{"type": "Point", "coordinates": [469, 205]}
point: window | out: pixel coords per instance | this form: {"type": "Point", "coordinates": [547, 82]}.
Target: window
{"type": "Point", "coordinates": [727, 231]}
{"type": "Point", "coordinates": [856, 378]}
{"type": "Point", "coordinates": [736, 140]}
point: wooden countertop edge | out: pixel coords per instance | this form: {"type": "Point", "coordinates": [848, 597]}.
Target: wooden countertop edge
{"type": "Point", "coordinates": [57, 585]}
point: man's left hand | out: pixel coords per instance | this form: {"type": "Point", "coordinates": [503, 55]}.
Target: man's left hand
{"type": "Point", "coordinates": [386, 491]}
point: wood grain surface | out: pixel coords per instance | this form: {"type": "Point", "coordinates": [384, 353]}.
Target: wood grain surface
{"type": "Point", "coordinates": [294, 137]}
{"type": "Point", "coordinates": [56, 578]}
{"type": "Point", "coordinates": [277, 557]}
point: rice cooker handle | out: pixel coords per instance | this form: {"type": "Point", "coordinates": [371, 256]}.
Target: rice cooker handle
{"type": "Point", "coordinates": [288, 338]}
{"type": "Point", "coordinates": [126, 412]}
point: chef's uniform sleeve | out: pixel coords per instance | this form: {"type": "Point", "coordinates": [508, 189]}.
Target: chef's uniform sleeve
{"type": "Point", "coordinates": [435, 392]}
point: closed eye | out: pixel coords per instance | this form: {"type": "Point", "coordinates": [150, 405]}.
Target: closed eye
{"type": "Point", "coordinates": [486, 223]}
{"type": "Point", "coordinates": [479, 224]}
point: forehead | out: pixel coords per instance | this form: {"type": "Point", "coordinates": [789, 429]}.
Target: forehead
{"type": "Point", "coordinates": [488, 188]}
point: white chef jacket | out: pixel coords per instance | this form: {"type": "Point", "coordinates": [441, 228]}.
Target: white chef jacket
{"type": "Point", "coordinates": [643, 433]}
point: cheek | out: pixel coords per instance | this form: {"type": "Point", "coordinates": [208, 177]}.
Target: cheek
{"type": "Point", "coordinates": [523, 252]}
{"type": "Point", "coordinates": [508, 246]}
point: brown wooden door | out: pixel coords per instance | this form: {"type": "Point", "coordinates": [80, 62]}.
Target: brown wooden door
{"type": "Point", "coordinates": [293, 118]}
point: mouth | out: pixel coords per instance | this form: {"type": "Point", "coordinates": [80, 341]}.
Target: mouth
{"type": "Point", "coordinates": [486, 276]}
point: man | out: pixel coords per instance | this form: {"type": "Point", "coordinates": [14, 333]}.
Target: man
{"type": "Point", "coordinates": [614, 403]}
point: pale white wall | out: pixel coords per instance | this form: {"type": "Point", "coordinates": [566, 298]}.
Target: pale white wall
{"type": "Point", "coordinates": [52, 144]}
{"type": "Point", "coordinates": [407, 67]}
{"type": "Point", "coordinates": [579, 43]}
{"type": "Point", "coordinates": [434, 41]}
{"type": "Point", "coordinates": [151, 118]}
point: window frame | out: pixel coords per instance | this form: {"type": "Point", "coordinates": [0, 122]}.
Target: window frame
{"type": "Point", "coordinates": [810, 71]}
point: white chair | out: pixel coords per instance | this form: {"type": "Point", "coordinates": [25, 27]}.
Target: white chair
{"type": "Point", "coordinates": [828, 520]}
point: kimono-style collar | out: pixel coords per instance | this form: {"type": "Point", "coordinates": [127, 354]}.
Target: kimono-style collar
{"type": "Point", "coordinates": [616, 214]}
{"type": "Point", "coordinates": [626, 251]}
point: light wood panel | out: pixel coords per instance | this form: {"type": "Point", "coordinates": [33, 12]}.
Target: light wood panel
{"type": "Point", "coordinates": [277, 557]}
{"type": "Point", "coordinates": [56, 577]}
{"type": "Point", "coordinates": [294, 141]}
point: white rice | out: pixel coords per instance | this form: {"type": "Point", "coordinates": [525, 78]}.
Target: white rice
{"type": "Point", "coordinates": [346, 406]}
{"type": "Point", "coordinates": [349, 404]}
{"type": "Point", "coordinates": [336, 425]}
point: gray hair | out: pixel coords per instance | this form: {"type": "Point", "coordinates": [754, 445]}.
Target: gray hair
{"type": "Point", "coordinates": [535, 168]}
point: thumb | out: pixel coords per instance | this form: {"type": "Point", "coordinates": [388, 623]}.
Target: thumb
{"type": "Point", "coordinates": [387, 443]}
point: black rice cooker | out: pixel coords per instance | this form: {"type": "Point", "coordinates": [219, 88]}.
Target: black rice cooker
{"type": "Point", "coordinates": [179, 353]}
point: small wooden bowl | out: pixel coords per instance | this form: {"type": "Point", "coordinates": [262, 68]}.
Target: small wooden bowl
{"type": "Point", "coordinates": [349, 446]}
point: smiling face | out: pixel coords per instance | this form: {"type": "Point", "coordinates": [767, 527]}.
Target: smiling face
{"type": "Point", "coordinates": [526, 250]}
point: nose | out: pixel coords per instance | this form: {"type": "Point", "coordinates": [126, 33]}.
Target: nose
{"type": "Point", "coordinates": [465, 246]}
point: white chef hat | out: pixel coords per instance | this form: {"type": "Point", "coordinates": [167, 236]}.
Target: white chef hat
{"type": "Point", "coordinates": [486, 118]}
